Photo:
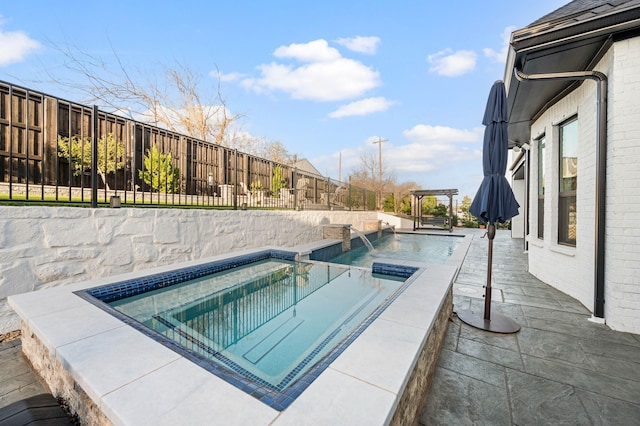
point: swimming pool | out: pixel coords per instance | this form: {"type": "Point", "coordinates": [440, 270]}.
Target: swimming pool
{"type": "Point", "coordinates": [403, 246]}
{"type": "Point", "coordinates": [264, 323]}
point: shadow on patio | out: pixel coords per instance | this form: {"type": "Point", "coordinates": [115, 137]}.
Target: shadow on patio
{"type": "Point", "coordinates": [559, 369]}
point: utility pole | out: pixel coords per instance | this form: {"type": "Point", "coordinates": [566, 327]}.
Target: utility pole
{"type": "Point", "coordinates": [379, 142]}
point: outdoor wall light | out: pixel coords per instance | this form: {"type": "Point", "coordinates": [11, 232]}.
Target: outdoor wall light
{"type": "Point", "coordinates": [524, 147]}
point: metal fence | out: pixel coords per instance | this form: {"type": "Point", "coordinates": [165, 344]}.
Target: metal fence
{"type": "Point", "coordinates": [56, 151]}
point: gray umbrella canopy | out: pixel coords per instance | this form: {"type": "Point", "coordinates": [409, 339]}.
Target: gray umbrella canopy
{"type": "Point", "coordinates": [494, 201]}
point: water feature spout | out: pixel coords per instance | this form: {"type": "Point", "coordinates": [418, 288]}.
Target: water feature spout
{"type": "Point", "coordinates": [393, 228]}
{"type": "Point", "coordinates": [364, 239]}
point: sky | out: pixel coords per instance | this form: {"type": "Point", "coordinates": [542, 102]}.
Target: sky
{"type": "Point", "coordinates": [326, 79]}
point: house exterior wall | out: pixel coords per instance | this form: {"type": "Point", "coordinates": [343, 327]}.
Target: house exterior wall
{"type": "Point", "coordinates": [518, 222]}
{"type": "Point", "coordinates": [622, 268]}
{"type": "Point", "coordinates": [571, 269]}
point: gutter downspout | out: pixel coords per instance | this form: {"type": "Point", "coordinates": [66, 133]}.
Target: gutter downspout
{"type": "Point", "coordinates": [601, 176]}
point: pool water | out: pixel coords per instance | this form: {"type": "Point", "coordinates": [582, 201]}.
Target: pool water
{"type": "Point", "coordinates": [415, 247]}
{"type": "Point", "coordinates": [271, 320]}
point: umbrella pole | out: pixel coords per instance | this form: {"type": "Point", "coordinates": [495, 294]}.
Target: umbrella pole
{"type": "Point", "coordinates": [499, 323]}
{"type": "Point", "coordinates": [491, 234]}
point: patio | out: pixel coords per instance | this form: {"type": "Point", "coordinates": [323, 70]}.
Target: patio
{"type": "Point", "coordinates": [559, 369]}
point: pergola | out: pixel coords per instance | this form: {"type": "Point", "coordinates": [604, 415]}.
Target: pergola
{"type": "Point", "coordinates": [418, 219]}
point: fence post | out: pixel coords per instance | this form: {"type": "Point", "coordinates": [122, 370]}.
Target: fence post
{"type": "Point", "coordinates": [235, 179]}
{"type": "Point", "coordinates": [295, 187]}
{"type": "Point", "coordinates": [94, 159]}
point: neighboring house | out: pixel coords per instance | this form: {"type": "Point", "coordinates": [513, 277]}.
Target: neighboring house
{"type": "Point", "coordinates": [573, 84]}
{"type": "Point", "coordinates": [305, 165]}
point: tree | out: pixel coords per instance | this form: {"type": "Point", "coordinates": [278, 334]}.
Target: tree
{"type": "Point", "coordinates": [277, 181]}
{"type": "Point", "coordinates": [111, 155]}
{"type": "Point", "coordinates": [367, 175]}
{"type": "Point", "coordinates": [159, 172]}
{"type": "Point", "coordinates": [399, 201]}
{"type": "Point", "coordinates": [466, 205]}
{"type": "Point", "coordinates": [179, 100]}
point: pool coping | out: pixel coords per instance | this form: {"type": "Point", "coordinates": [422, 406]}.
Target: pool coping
{"type": "Point", "coordinates": [93, 347]}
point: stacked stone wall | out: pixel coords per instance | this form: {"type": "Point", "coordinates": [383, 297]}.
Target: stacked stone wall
{"type": "Point", "coordinates": [42, 247]}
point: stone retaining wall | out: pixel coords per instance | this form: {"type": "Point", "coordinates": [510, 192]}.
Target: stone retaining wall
{"type": "Point", "coordinates": [419, 383]}
{"type": "Point", "coordinates": [42, 247]}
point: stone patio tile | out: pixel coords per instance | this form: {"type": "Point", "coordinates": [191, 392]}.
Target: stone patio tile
{"type": "Point", "coordinates": [462, 400]}
{"type": "Point", "coordinates": [23, 387]}
{"type": "Point", "coordinates": [623, 389]}
{"type": "Point", "coordinates": [539, 302]}
{"type": "Point", "coordinates": [552, 346]}
{"type": "Point", "coordinates": [586, 330]}
{"type": "Point", "coordinates": [473, 367]}
{"type": "Point", "coordinates": [461, 302]}
{"type": "Point", "coordinates": [617, 368]}
{"type": "Point", "coordinates": [554, 315]}
{"type": "Point", "coordinates": [489, 353]}
{"type": "Point", "coordinates": [605, 347]}
{"type": "Point", "coordinates": [574, 306]}
{"type": "Point", "coordinates": [451, 338]}
{"type": "Point", "coordinates": [608, 411]}
{"type": "Point", "coordinates": [538, 401]}
{"type": "Point", "coordinates": [17, 380]}
{"type": "Point", "coordinates": [504, 341]}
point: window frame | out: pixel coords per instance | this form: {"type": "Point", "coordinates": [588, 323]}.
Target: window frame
{"type": "Point", "coordinates": [567, 200]}
{"type": "Point", "coordinates": [541, 144]}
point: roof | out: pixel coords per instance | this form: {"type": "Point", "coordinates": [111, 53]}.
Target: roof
{"type": "Point", "coordinates": [305, 165]}
{"type": "Point", "coordinates": [571, 38]}
{"type": "Point", "coordinates": [434, 192]}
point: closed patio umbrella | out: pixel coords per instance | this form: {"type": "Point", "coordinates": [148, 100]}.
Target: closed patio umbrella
{"type": "Point", "coordinates": [494, 201]}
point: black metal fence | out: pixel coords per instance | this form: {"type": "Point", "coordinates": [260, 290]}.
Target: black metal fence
{"type": "Point", "coordinates": [56, 151]}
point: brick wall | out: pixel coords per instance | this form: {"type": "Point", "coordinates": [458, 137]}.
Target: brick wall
{"type": "Point", "coordinates": [571, 270]}
{"type": "Point", "coordinates": [622, 269]}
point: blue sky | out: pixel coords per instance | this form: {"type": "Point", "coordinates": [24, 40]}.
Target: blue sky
{"type": "Point", "coordinates": [324, 78]}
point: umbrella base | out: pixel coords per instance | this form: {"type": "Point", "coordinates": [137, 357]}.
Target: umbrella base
{"type": "Point", "coordinates": [497, 324]}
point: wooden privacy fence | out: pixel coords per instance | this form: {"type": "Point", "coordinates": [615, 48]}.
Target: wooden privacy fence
{"type": "Point", "coordinates": [54, 150]}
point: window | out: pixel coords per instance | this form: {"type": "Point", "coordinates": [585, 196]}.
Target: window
{"type": "Point", "coordinates": [567, 215]}
{"type": "Point", "coordinates": [541, 169]}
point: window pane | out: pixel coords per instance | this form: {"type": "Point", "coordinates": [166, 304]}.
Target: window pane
{"type": "Point", "coordinates": [567, 214]}
{"type": "Point", "coordinates": [567, 225]}
{"type": "Point", "coordinates": [541, 169]}
{"type": "Point", "coordinates": [540, 217]}
{"type": "Point", "coordinates": [569, 157]}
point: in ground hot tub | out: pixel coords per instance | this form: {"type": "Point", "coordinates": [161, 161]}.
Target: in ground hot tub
{"type": "Point", "coordinates": [267, 325]}
{"type": "Point", "coordinates": [110, 372]}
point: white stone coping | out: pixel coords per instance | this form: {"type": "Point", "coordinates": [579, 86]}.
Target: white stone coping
{"type": "Point", "coordinates": [135, 380]}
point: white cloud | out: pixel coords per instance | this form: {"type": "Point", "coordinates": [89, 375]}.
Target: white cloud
{"type": "Point", "coordinates": [324, 76]}
{"type": "Point", "coordinates": [362, 107]}
{"type": "Point", "coordinates": [314, 51]}
{"type": "Point", "coordinates": [227, 77]}
{"type": "Point", "coordinates": [500, 56]}
{"type": "Point", "coordinates": [428, 155]}
{"type": "Point", "coordinates": [452, 64]}
{"type": "Point", "coordinates": [423, 133]}
{"type": "Point", "coordinates": [16, 45]}
{"type": "Point", "coordinates": [360, 44]}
